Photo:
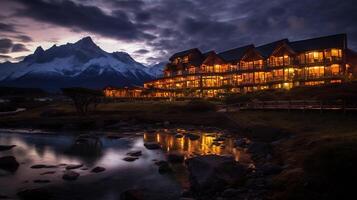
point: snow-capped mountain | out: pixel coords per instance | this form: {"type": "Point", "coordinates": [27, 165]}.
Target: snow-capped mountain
{"type": "Point", "coordinates": [157, 70]}
{"type": "Point", "coordinates": [80, 64]}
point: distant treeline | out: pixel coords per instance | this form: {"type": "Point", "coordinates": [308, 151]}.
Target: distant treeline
{"type": "Point", "coordinates": [14, 91]}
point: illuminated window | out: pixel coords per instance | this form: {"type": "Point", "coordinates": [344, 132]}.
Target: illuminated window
{"type": "Point", "coordinates": [314, 72]}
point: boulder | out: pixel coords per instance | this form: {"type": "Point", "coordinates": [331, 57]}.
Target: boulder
{"type": "Point", "coordinates": [134, 153]}
{"type": "Point", "coordinates": [175, 157]}
{"type": "Point", "coordinates": [70, 175]}
{"type": "Point", "coordinates": [130, 159]}
{"type": "Point", "coordinates": [212, 173]}
{"type": "Point", "coordinates": [6, 147]}
{"type": "Point", "coordinates": [38, 194]}
{"type": "Point", "coordinates": [98, 169]}
{"type": "Point", "coordinates": [9, 163]}
{"type": "Point", "coordinates": [74, 166]}
{"type": "Point", "coordinates": [152, 145]}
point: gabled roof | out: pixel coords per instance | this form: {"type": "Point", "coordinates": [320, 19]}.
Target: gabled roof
{"type": "Point", "coordinates": [184, 53]}
{"type": "Point", "coordinates": [212, 58]}
{"type": "Point", "coordinates": [235, 54]}
{"type": "Point", "coordinates": [331, 41]}
{"type": "Point", "coordinates": [267, 49]}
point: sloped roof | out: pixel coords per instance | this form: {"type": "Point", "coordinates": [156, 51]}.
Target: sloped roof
{"type": "Point", "coordinates": [184, 53]}
{"type": "Point", "coordinates": [212, 58]}
{"type": "Point", "coordinates": [326, 42]}
{"type": "Point", "coordinates": [235, 54]}
{"type": "Point", "coordinates": [267, 49]}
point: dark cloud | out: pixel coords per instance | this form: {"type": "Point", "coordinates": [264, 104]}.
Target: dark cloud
{"type": "Point", "coordinates": [168, 26]}
{"type": "Point", "coordinates": [83, 17]}
{"type": "Point", "coordinates": [141, 51]}
{"type": "Point", "coordinates": [5, 45]}
{"type": "Point", "coordinates": [19, 48]}
{"type": "Point", "coordinates": [24, 38]}
{"type": "Point", "coordinates": [142, 16]}
{"type": "Point", "coordinates": [7, 27]}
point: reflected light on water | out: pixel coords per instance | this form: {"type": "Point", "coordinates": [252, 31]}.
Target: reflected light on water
{"type": "Point", "coordinates": [205, 145]}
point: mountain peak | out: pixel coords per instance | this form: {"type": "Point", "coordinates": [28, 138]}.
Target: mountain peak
{"type": "Point", "coordinates": [39, 50]}
{"type": "Point", "coordinates": [86, 41]}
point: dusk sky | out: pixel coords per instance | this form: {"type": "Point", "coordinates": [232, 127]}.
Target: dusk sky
{"type": "Point", "coordinates": [151, 30]}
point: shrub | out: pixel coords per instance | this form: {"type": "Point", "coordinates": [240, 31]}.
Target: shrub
{"type": "Point", "coordinates": [200, 106]}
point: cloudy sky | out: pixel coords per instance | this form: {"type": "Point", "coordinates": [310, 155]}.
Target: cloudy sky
{"type": "Point", "coordinates": [151, 30]}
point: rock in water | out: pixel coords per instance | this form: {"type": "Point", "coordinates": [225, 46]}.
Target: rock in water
{"type": "Point", "coordinates": [152, 145]}
{"type": "Point", "coordinates": [9, 163]}
{"type": "Point", "coordinates": [98, 169]}
{"type": "Point", "coordinates": [130, 159]}
{"type": "Point", "coordinates": [70, 175]}
{"type": "Point", "coordinates": [211, 173]}
{"type": "Point", "coordinates": [134, 153]}
{"type": "Point", "coordinates": [6, 147]}
{"type": "Point", "coordinates": [69, 167]}
{"type": "Point", "coordinates": [40, 166]}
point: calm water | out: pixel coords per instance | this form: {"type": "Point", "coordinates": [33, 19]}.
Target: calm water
{"type": "Point", "coordinates": [120, 175]}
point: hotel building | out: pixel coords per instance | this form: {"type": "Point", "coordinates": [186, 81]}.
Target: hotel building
{"type": "Point", "coordinates": [281, 64]}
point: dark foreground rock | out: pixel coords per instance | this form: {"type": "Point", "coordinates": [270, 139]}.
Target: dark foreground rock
{"type": "Point", "coordinates": [152, 145]}
{"type": "Point", "coordinates": [98, 169]}
{"type": "Point", "coordinates": [9, 163]}
{"type": "Point", "coordinates": [70, 175]}
{"type": "Point", "coordinates": [211, 173]}
{"type": "Point", "coordinates": [6, 147]}
{"type": "Point", "coordinates": [38, 194]}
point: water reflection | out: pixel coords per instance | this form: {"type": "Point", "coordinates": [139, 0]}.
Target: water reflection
{"type": "Point", "coordinates": [57, 149]}
{"type": "Point", "coordinates": [88, 147]}
{"type": "Point", "coordinates": [207, 143]}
